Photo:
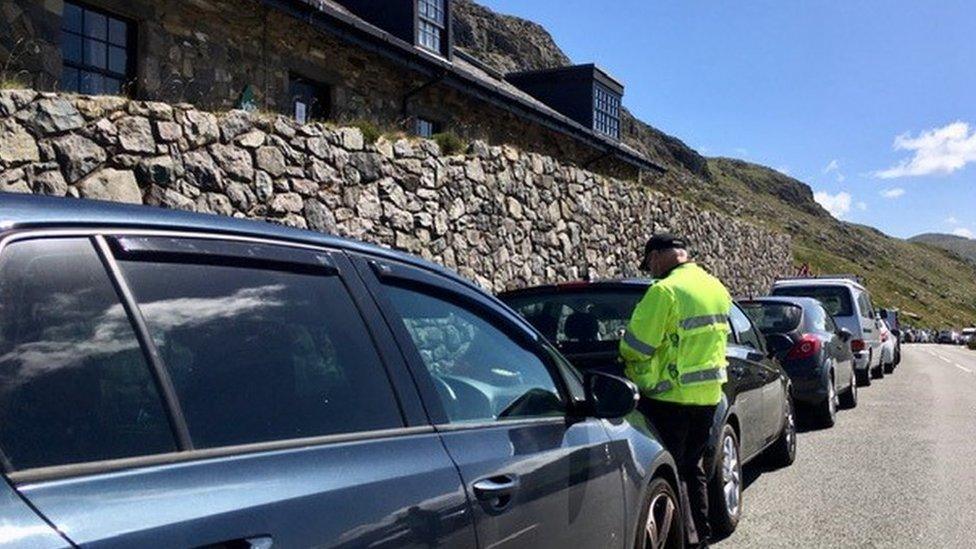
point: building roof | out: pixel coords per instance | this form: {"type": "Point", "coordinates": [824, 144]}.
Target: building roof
{"type": "Point", "coordinates": [464, 73]}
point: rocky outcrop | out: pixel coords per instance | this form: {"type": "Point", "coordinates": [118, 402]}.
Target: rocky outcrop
{"type": "Point", "coordinates": [505, 42]}
{"type": "Point", "coordinates": [498, 215]}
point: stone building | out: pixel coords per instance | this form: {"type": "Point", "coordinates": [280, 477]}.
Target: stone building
{"type": "Point", "coordinates": [389, 63]}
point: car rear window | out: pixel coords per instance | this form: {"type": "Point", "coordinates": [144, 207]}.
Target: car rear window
{"type": "Point", "coordinates": [773, 318]}
{"type": "Point", "coordinates": [835, 299]}
{"type": "Point", "coordinates": [594, 318]}
{"type": "Point", "coordinates": [260, 355]}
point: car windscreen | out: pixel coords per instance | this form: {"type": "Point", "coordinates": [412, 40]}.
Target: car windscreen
{"type": "Point", "coordinates": [836, 299]}
{"type": "Point", "coordinates": [580, 320]}
{"type": "Point", "coordinates": [773, 318]}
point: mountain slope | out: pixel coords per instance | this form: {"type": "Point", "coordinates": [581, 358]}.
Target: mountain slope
{"type": "Point", "coordinates": [961, 246]}
{"type": "Point", "coordinates": [934, 284]}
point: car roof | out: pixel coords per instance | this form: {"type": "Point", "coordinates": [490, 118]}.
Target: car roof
{"type": "Point", "coordinates": [803, 302]}
{"type": "Point", "coordinates": [819, 282]}
{"type": "Point", "coordinates": [582, 285]}
{"type": "Point", "coordinates": [24, 211]}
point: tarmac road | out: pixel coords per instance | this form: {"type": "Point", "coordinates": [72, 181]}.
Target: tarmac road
{"type": "Point", "coordinates": [897, 471]}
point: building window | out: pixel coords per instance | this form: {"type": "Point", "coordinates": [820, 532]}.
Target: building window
{"type": "Point", "coordinates": [426, 128]}
{"type": "Point", "coordinates": [606, 111]}
{"type": "Point", "coordinates": [309, 100]}
{"type": "Point", "coordinates": [97, 52]}
{"type": "Point", "coordinates": [431, 24]}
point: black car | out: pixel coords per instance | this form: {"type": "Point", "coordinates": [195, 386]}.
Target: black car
{"type": "Point", "coordinates": [585, 320]}
{"type": "Point", "coordinates": [181, 380]}
{"type": "Point", "coordinates": [812, 349]}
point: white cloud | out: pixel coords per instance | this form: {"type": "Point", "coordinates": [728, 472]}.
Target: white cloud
{"type": "Point", "coordinates": [863, 206]}
{"type": "Point", "coordinates": [837, 204]}
{"type": "Point", "coordinates": [834, 167]}
{"type": "Point", "coordinates": [951, 220]}
{"type": "Point", "coordinates": [965, 233]}
{"type": "Point", "coordinates": [936, 151]}
{"type": "Point", "coordinates": [893, 193]}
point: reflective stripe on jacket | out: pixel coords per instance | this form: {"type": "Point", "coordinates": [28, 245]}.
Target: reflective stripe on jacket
{"type": "Point", "coordinates": [674, 346]}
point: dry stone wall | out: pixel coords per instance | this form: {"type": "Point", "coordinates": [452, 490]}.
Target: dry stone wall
{"type": "Point", "coordinates": [500, 216]}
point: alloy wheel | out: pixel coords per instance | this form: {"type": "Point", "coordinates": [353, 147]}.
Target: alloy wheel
{"type": "Point", "coordinates": [790, 427]}
{"type": "Point", "coordinates": [832, 399]}
{"type": "Point", "coordinates": [660, 520]}
{"type": "Point", "coordinates": [731, 476]}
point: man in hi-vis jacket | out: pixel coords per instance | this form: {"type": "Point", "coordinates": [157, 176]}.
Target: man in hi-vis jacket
{"type": "Point", "coordinates": [674, 350]}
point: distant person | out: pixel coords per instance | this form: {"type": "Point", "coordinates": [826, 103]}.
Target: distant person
{"type": "Point", "coordinates": [674, 350]}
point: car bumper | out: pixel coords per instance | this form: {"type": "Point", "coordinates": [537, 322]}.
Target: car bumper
{"type": "Point", "coordinates": [862, 360]}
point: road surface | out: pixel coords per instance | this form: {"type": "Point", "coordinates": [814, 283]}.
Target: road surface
{"type": "Point", "coordinates": [897, 471]}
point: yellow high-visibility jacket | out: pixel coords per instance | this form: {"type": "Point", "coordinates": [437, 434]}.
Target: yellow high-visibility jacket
{"type": "Point", "coordinates": [674, 346]}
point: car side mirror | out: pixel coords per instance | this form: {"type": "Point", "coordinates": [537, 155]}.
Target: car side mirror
{"type": "Point", "coordinates": [778, 344]}
{"type": "Point", "coordinates": [845, 334]}
{"type": "Point", "coordinates": [609, 396]}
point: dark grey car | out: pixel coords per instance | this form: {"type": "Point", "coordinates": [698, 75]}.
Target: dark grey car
{"type": "Point", "coordinates": [180, 380]}
{"type": "Point", "coordinates": [813, 350]}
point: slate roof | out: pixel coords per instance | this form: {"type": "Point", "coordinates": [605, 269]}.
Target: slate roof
{"type": "Point", "coordinates": [464, 73]}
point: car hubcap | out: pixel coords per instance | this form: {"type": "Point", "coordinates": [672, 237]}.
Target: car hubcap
{"type": "Point", "coordinates": [731, 476]}
{"type": "Point", "coordinates": [660, 519]}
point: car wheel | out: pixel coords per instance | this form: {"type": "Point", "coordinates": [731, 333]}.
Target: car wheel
{"type": "Point", "coordinates": [889, 368]}
{"type": "Point", "coordinates": [848, 399]}
{"type": "Point", "coordinates": [783, 452]}
{"type": "Point", "coordinates": [664, 527]}
{"type": "Point", "coordinates": [863, 377]}
{"type": "Point", "coordinates": [725, 489]}
{"type": "Point", "coordinates": [879, 372]}
{"type": "Point", "coordinates": [827, 412]}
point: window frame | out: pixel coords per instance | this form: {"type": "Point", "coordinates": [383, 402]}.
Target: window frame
{"type": "Point", "coordinates": [382, 273]}
{"type": "Point", "coordinates": [606, 111]}
{"type": "Point", "coordinates": [440, 27]}
{"type": "Point", "coordinates": [128, 79]}
{"type": "Point", "coordinates": [100, 239]}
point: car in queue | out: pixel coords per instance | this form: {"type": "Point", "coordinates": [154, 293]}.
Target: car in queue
{"type": "Point", "coordinates": [170, 379]}
{"type": "Point", "coordinates": [889, 348]}
{"type": "Point", "coordinates": [848, 302]}
{"type": "Point", "coordinates": [585, 321]}
{"type": "Point", "coordinates": [813, 350]}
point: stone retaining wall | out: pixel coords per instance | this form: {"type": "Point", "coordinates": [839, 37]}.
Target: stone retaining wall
{"type": "Point", "coordinates": [497, 215]}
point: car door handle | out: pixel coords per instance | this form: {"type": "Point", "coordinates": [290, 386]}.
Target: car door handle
{"type": "Point", "coordinates": [496, 492]}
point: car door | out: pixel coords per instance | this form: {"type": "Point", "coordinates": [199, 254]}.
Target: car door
{"type": "Point", "coordinates": [746, 379]}
{"type": "Point", "coordinates": [162, 391]}
{"type": "Point", "coordinates": [536, 475]}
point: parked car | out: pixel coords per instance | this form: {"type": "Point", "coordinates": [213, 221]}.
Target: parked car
{"type": "Point", "coordinates": [585, 321]}
{"type": "Point", "coordinates": [813, 350]}
{"type": "Point", "coordinates": [891, 317]}
{"type": "Point", "coordinates": [968, 335]}
{"type": "Point", "coordinates": [170, 379]}
{"type": "Point", "coordinates": [889, 344]}
{"type": "Point", "coordinates": [947, 336]}
{"type": "Point", "coordinates": [849, 304]}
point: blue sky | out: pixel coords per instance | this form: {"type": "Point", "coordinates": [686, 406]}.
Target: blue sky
{"type": "Point", "coordinates": [872, 103]}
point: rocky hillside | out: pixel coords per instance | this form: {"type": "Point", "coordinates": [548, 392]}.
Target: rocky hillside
{"type": "Point", "coordinates": [961, 246]}
{"type": "Point", "coordinates": [934, 284]}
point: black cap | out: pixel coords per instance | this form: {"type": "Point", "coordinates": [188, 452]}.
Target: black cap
{"type": "Point", "coordinates": [661, 241]}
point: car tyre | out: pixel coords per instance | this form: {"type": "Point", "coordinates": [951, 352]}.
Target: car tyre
{"type": "Point", "coordinates": [848, 399]}
{"type": "Point", "coordinates": [863, 377]}
{"type": "Point", "coordinates": [889, 368]}
{"type": "Point", "coordinates": [783, 452]}
{"type": "Point", "coordinates": [725, 488]}
{"type": "Point", "coordinates": [827, 411]}
{"type": "Point", "coordinates": [663, 524]}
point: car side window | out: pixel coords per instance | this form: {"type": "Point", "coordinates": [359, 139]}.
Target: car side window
{"type": "Point", "coordinates": [831, 325]}
{"type": "Point", "coordinates": [259, 354]}
{"type": "Point", "coordinates": [479, 371]}
{"type": "Point", "coordinates": [743, 329]}
{"type": "Point", "coordinates": [75, 384]}
{"type": "Point", "coordinates": [864, 303]}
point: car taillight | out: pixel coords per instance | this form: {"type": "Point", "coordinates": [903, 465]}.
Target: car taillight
{"type": "Point", "coordinates": [857, 345]}
{"type": "Point", "coordinates": [808, 346]}
{"type": "Point", "coordinates": [884, 336]}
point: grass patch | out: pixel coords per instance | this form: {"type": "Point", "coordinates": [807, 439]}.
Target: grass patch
{"type": "Point", "coordinates": [449, 143]}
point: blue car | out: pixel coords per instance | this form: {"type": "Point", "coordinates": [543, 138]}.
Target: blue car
{"type": "Point", "coordinates": [170, 379]}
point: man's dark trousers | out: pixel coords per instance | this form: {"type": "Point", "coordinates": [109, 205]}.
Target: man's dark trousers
{"type": "Point", "coordinates": [685, 433]}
